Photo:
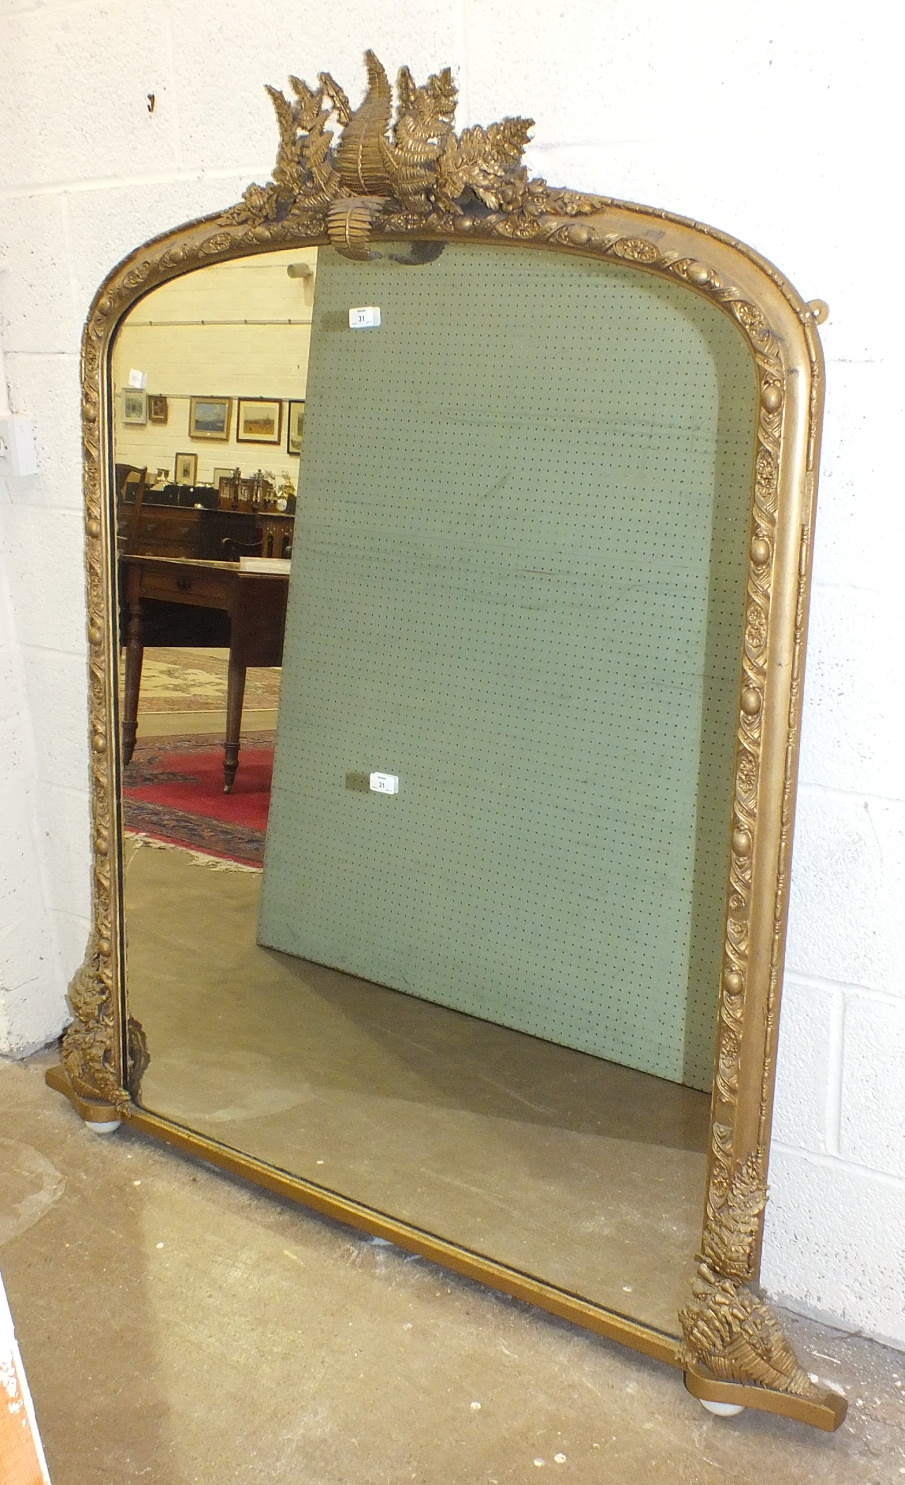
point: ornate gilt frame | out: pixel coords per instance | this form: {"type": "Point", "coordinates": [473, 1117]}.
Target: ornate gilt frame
{"type": "Point", "coordinates": [415, 178]}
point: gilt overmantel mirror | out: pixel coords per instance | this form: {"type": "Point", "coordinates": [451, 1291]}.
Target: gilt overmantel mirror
{"type": "Point", "coordinates": [468, 522]}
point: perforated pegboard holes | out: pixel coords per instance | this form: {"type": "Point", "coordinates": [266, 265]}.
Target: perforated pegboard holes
{"type": "Point", "coordinates": [518, 584]}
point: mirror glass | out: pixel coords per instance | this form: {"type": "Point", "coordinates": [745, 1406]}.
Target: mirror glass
{"type": "Point", "coordinates": [431, 586]}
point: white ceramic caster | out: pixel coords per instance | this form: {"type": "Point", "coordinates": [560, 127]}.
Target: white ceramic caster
{"type": "Point", "coordinates": [722, 1410]}
{"type": "Point", "coordinates": [103, 1126]}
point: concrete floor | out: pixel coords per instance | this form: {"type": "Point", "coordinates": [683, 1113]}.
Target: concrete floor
{"type": "Point", "coordinates": [179, 1326]}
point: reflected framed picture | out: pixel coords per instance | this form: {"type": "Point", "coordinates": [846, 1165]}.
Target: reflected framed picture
{"type": "Point", "coordinates": [294, 425]}
{"type": "Point", "coordinates": [259, 420]}
{"type": "Point", "coordinates": [158, 408]}
{"type": "Point", "coordinates": [186, 469]}
{"type": "Point", "coordinates": [135, 407]}
{"type": "Point", "coordinates": [209, 417]}
{"type": "Point", "coordinates": [221, 473]}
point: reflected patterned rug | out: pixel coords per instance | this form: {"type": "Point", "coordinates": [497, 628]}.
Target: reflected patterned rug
{"type": "Point", "coordinates": [194, 680]}
{"type": "Point", "coordinates": [173, 795]}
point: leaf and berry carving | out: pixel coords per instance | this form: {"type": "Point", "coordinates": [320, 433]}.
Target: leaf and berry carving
{"type": "Point", "coordinates": [487, 162]}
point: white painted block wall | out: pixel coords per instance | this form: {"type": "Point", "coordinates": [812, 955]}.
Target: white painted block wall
{"type": "Point", "coordinates": [775, 124]}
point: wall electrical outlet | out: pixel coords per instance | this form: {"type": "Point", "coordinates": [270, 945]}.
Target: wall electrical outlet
{"type": "Point", "coordinates": [17, 447]}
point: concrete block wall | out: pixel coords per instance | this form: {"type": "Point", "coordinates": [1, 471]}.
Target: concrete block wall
{"type": "Point", "coordinates": [30, 965]}
{"type": "Point", "coordinates": [771, 124]}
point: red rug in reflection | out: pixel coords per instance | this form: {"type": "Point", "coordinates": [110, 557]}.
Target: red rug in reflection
{"type": "Point", "coordinates": [173, 791]}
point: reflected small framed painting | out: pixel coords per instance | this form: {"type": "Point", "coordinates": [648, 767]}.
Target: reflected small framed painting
{"type": "Point", "coordinates": [294, 427]}
{"type": "Point", "coordinates": [135, 407]}
{"type": "Point", "coordinates": [209, 417]}
{"type": "Point", "coordinates": [186, 469]}
{"type": "Point", "coordinates": [158, 408]}
{"type": "Point", "coordinates": [259, 420]}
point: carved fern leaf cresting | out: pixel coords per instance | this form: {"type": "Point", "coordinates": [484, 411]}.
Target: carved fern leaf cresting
{"type": "Point", "coordinates": [414, 164]}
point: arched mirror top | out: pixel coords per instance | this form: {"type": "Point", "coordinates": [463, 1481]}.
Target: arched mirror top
{"type": "Point", "coordinates": [353, 178]}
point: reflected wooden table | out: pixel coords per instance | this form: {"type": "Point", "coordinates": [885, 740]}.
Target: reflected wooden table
{"type": "Point", "coordinates": [254, 604]}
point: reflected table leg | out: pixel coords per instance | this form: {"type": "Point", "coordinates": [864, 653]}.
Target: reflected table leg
{"type": "Point", "coordinates": [257, 620]}
{"type": "Point", "coordinates": [235, 695]}
{"type": "Point", "coordinates": [135, 649]}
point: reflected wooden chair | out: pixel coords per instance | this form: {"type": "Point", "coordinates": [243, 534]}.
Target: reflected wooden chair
{"type": "Point", "coordinates": [130, 498]}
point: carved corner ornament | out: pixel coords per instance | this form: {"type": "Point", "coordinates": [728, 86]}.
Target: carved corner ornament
{"type": "Point", "coordinates": [89, 1042]}
{"type": "Point", "coordinates": [394, 167]}
{"type": "Point", "coordinates": [89, 1072]}
{"type": "Point", "coordinates": [731, 1335]}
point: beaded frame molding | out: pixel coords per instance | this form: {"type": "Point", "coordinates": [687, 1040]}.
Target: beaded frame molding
{"type": "Point", "coordinates": [395, 168]}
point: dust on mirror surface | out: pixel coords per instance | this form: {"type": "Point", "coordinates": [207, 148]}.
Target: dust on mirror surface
{"type": "Point", "coordinates": [516, 585]}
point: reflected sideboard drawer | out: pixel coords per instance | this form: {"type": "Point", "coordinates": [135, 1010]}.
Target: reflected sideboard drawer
{"type": "Point", "coordinates": [169, 533]}
{"type": "Point", "coordinates": [188, 585]}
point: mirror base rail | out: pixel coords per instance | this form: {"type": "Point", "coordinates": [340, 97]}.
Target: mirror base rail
{"type": "Point", "coordinates": [824, 1409]}
{"type": "Point", "coordinates": [651, 1342]}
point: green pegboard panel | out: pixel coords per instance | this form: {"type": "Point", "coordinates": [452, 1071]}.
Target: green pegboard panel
{"type": "Point", "coordinates": [517, 584]}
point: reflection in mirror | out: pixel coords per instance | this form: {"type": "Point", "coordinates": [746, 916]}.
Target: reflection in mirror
{"type": "Point", "coordinates": [484, 1003]}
